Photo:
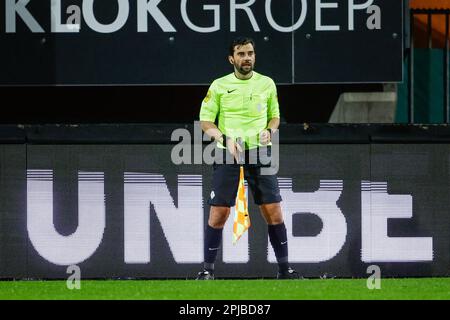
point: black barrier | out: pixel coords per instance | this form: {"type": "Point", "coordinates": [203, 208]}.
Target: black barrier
{"type": "Point", "coordinates": [124, 210]}
{"type": "Point", "coordinates": [138, 133]}
{"type": "Point", "coordinates": [87, 42]}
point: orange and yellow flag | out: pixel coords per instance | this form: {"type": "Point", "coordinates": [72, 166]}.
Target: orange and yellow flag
{"type": "Point", "coordinates": [241, 216]}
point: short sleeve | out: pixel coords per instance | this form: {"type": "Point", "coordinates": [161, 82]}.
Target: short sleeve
{"type": "Point", "coordinates": [210, 105]}
{"type": "Point", "coordinates": [273, 110]}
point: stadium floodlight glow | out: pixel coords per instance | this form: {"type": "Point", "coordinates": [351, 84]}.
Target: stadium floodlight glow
{"type": "Point", "coordinates": [19, 9]}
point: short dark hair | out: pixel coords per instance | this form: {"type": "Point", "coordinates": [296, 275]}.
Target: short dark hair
{"type": "Point", "coordinates": [240, 41]}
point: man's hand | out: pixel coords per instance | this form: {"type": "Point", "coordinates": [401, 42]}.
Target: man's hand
{"type": "Point", "coordinates": [264, 137]}
{"type": "Point", "coordinates": [234, 148]}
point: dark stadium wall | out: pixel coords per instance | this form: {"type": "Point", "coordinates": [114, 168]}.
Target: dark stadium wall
{"type": "Point", "coordinates": [142, 61]}
{"type": "Point", "coordinates": [155, 104]}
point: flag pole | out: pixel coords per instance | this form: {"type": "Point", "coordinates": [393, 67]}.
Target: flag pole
{"type": "Point", "coordinates": [241, 216]}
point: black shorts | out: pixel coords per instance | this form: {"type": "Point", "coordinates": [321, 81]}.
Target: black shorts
{"type": "Point", "coordinates": [225, 184]}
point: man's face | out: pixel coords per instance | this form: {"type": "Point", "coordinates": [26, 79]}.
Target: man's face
{"type": "Point", "coordinates": [243, 58]}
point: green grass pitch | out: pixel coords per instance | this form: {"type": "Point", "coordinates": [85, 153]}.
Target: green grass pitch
{"type": "Point", "coordinates": [308, 289]}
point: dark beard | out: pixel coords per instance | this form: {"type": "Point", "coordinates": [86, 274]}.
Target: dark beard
{"type": "Point", "coordinates": [244, 72]}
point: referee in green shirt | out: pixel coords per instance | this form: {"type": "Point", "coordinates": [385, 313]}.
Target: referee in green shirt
{"type": "Point", "coordinates": [245, 105]}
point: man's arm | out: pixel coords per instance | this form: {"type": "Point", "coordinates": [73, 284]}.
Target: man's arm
{"type": "Point", "coordinates": [273, 113]}
{"type": "Point", "coordinates": [266, 135]}
{"type": "Point", "coordinates": [273, 124]}
{"type": "Point", "coordinates": [211, 130]}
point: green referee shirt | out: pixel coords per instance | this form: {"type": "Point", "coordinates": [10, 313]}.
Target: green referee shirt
{"type": "Point", "coordinates": [243, 107]}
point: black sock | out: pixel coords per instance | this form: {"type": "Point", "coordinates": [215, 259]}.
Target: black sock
{"type": "Point", "coordinates": [213, 238]}
{"type": "Point", "coordinates": [278, 239]}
